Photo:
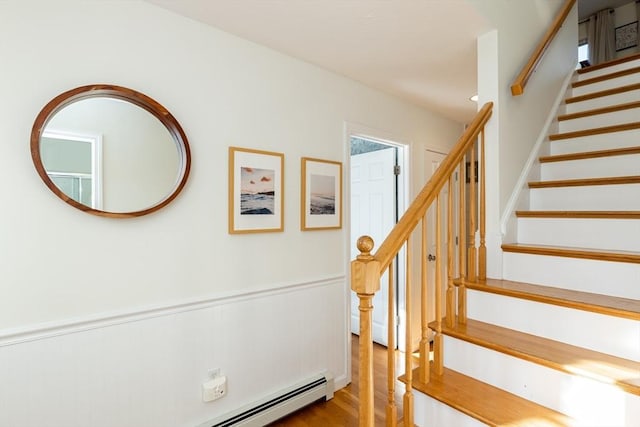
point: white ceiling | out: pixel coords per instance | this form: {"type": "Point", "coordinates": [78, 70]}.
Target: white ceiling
{"type": "Point", "coordinates": [400, 47]}
{"type": "Point", "coordinates": [403, 48]}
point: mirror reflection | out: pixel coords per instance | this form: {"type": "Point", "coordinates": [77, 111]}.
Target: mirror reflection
{"type": "Point", "coordinates": [109, 150]}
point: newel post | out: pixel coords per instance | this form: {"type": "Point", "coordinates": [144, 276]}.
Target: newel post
{"type": "Point", "coordinates": [365, 281]}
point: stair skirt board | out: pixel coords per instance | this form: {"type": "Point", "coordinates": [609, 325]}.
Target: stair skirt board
{"type": "Point", "coordinates": [617, 279]}
{"type": "Point", "coordinates": [278, 405]}
{"type": "Point", "coordinates": [612, 335]}
{"type": "Point", "coordinates": [590, 402]}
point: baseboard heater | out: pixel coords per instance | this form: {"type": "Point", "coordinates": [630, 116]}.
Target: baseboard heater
{"type": "Point", "coordinates": [278, 405]}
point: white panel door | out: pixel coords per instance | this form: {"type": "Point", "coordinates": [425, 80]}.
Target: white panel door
{"type": "Point", "coordinates": [373, 206]}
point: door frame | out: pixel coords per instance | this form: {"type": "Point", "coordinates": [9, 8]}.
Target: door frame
{"type": "Point", "coordinates": [402, 194]}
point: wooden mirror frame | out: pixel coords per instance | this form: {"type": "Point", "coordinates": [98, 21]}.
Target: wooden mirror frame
{"type": "Point", "coordinates": [122, 93]}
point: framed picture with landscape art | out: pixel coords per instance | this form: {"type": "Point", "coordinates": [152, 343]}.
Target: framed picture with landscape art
{"type": "Point", "coordinates": [321, 198]}
{"type": "Point", "coordinates": [256, 200]}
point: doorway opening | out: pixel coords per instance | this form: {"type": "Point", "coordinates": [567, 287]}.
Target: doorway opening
{"type": "Point", "coordinates": [377, 201]}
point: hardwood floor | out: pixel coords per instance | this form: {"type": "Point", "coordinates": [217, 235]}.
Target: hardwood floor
{"type": "Point", "coordinates": [342, 410]}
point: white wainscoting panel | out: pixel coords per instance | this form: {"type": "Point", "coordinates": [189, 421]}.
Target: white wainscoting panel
{"type": "Point", "coordinates": [146, 368]}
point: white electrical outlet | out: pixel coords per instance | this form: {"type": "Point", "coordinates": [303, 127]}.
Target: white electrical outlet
{"type": "Point", "coordinates": [214, 388]}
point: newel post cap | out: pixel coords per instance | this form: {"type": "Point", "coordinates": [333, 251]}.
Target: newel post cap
{"type": "Point", "coordinates": [365, 269]}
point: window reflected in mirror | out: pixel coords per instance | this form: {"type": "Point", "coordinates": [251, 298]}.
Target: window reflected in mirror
{"type": "Point", "coordinates": [73, 162]}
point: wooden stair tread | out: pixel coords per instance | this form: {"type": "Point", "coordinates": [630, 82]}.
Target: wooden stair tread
{"type": "Point", "coordinates": [603, 304]}
{"type": "Point", "coordinates": [611, 180]}
{"type": "Point", "coordinates": [595, 131]}
{"type": "Point", "coordinates": [597, 111]}
{"type": "Point", "coordinates": [557, 355]}
{"type": "Point", "coordinates": [571, 252]}
{"type": "Point", "coordinates": [580, 214]}
{"type": "Point", "coordinates": [608, 63]}
{"type": "Point", "coordinates": [590, 154]}
{"type": "Point", "coordinates": [486, 403]}
{"type": "Point", "coordinates": [604, 77]}
{"type": "Point", "coordinates": [599, 94]}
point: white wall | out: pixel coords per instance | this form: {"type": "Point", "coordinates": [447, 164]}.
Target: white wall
{"type": "Point", "coordinates": [518, 120]}
{"type": "Point", "coordinates": [117, 321]}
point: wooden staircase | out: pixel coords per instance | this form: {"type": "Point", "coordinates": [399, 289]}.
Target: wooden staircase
{"type": "Point", "coordinates": [557, 342]}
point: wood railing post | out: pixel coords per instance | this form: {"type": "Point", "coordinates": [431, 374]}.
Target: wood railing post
{"type": "Point", "coordinates": [365, 282]}
{"type": "Point", "coordinates": [471, 257]}
{"type": "Point", "coordinates": [424, 300]}
{"type": "Point", "coordinates": [407, 400]}
{"type": "Point", "coordinates": [450, 300]}
{"type": "Point", "coordinates": [462, 246]}
{"type": "Point", "coordinates": [438, 359]}
{"type": "Point", "coordinates": [482, 250]}
{"type": "Point", "coordinates": [392, 409]}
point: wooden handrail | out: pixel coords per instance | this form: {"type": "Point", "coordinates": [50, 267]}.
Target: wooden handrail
{"type": "Point", "coordinates": [517, 88]}
{"type": "Point", "coordinates": [394, 241]}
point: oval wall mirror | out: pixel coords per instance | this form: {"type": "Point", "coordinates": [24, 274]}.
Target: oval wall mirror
{"type": "Point", "coordinates": [110, 151]}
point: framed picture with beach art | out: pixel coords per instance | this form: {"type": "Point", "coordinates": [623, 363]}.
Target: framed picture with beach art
{"type": "Point", "coordinates": [256, 201]}
{"type": "Point", "coordinates": [321, 198]}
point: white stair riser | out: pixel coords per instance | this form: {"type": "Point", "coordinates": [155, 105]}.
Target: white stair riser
{"type": "Point", "coordinates": [591, 402]}
{"type": "Point", "coordinates": [597, 167]}
{"type": "Point", "coordinates": [605, 141]}
{"type": "Point", "coordinates": [606, 84]}
{"type": "Point", "coordinates": [590, 197]}
{"type": "Point", "coordinates": [608, 70]}
{"type": "Point", "coordinates": [612, 335]}
{"type": "Point", "coordinates": [599, 277]}
{"type": "Point", "coordinates": [429, 412]}
{"type": "Point", "coordinates": [599, 120]}
{"type": "Point", "coordinates": [603, 101]}
{"type": "Point", "coordinates": [595, 233]}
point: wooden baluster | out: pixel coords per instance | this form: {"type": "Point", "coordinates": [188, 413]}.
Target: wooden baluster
{"type": "Point", "coordinates": [437, 343]}
{"type": "Point", "coordinates": [424, 299]}
{"type": "Point", "coordinates": [462, 246]}
{"type": "Point", "coordinates": [471, 259]}
{"type": "Point", "coordinates": [392, 410]}
{"type": "Point", "coordinates": [450, 294]}
{"type": "Point", "coordinates": [482, 251]}
{"type": "Point", "coordinates": [365, 281]}
{"type": "Point", "coordinates": [407, 403]}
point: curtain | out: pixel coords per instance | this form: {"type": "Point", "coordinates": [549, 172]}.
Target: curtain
{"type": "Point", "coordinates": [601, 37]}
